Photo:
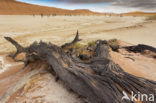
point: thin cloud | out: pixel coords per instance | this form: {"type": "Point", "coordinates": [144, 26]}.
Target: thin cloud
{"type": "Point", "coordinates": [116, 6]}
{"type": "Point", "coordinates": [144, 4]}
{"type": "Point", "coordinates": [86, 1]}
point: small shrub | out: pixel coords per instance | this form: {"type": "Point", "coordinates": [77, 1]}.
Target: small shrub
{"type": "Point", "coordinates": [91, 43]}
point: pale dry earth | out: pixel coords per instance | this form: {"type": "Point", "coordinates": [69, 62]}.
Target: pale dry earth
{"type": "Point", "coordinates": [42, 88]}
{"type": "Point", "coordinates": [60, 29]}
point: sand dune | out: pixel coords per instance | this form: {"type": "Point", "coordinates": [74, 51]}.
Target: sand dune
{"type": "Point", "coordinates": [139, 13]}
{"type": "Point", "coordinates": [12, 7]}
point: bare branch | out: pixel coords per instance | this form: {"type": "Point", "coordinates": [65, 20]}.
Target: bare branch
{"type": "Point", "coordinates": [76, 39]}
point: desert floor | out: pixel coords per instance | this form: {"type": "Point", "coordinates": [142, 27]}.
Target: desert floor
{"type": "Point", "coordinates": [61, 29]}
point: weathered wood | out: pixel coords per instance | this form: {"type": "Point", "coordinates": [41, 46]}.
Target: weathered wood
{"type": "Point", "coordinates": [140, 48]}
{"type": "Point", "coordinates": [99, 79]}
{"type": "Point", "coordinates": [76, 39]}
{"type": "Point", "coordinates": [18, 47]}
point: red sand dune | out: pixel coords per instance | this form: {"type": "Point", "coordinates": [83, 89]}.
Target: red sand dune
{"type": "Point", "coordinates": [12, 7]}
{"type": "Point", "coordinates": [139, 13]}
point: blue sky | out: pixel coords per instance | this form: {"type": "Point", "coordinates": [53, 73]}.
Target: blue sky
{"type": "Point", "coordinates": [115, 6]}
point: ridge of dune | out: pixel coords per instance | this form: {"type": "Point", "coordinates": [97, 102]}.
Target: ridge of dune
{"type": "Point", "coordinates": [139, 13]}
{"type": "Point", "coordinates": [12, 7]}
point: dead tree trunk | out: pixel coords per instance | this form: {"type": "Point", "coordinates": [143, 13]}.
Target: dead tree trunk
{"type": "Point", "coordinates": [73, 42]}
{"type": "Point", "coordinates": [99, 79]}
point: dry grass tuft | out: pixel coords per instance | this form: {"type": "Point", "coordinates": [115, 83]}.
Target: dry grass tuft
{"type": "Point", "coordinates": [91, 43]}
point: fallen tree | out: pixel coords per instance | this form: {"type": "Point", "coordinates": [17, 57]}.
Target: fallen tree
{"type": "Point", "coordinates": [98, 78]}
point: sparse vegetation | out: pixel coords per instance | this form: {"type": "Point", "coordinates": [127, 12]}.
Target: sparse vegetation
{"type": "Point", "coordinates": [151, 17]}
{"type": "Point", "coordinates": [91, 43]}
